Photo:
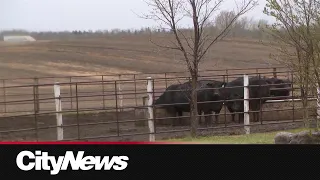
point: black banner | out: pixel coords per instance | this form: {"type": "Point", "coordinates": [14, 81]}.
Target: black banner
{"type": "Point", "coordinates": [144, 161]}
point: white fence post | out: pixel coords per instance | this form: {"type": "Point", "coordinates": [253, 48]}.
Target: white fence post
{"type": "Point", "coordinates": [246, 104]}
{"type": "Point", "coordinates": [150, 110]}
{"type": "Point", "coordinates": [58, 103]}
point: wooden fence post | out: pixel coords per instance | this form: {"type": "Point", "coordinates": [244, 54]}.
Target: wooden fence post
{"type": "Point", "coordinates": [150, 110]}
{"type": "Point", "coordinates": [103, 98]}
{"type": "Point", "coordinates": [275, 72]}
{"type": "Point", "coordinates": [58, 103]}
{"type": "Point", "coordinates": [120, 94]}
{"type": "Point", "coordinates": [4, 95]}
{"type": "Point", "coordinates": [135, 90]}
{"type": "Point", "coordinates": [70, 89]}
{"type": "Point", "coordinates": [246, 104]}
{"type": "Point", "coordinates": [36, 95]}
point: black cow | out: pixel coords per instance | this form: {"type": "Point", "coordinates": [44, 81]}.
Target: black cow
{"type": "Point", "coordinates": [182, 94]}
{"type": "Point", "coordinates": [233, 93]}
{"type": "Point", "coordinates": [167, 98]}
{"type": "Point", "coordinates": [284, 87]}
{"type": "Point", "coordinates": [210, 107]}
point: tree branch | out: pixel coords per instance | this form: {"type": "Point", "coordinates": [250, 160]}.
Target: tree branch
{"type": "Point", "coordinates": [247, 7]}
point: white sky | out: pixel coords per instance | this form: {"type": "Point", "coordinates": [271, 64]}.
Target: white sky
{"type": "Point", "coordinates": [59, 15]}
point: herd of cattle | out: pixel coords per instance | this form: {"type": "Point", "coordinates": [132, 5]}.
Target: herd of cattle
{"type": "Point", "coordinates": [212, 95]}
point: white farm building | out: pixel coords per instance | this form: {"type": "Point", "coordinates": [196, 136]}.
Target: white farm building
{"type": "Point", "coordinates": [18, 39]}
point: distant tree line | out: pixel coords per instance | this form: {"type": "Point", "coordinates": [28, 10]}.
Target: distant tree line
{"type": "Point", "coordinates": [242, 28]}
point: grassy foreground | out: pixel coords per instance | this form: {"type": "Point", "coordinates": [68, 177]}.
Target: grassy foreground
{"type": "Point", "coordinates": [256, 138]}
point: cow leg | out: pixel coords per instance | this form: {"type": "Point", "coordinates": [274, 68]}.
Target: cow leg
{"type": "Point", "coordinates": [208, 119]}
{"type": "Point", "coordinates": [216, 115]}
{"type": "Point", "coordinates": [181, 120]}
{"type": "Point", "coordinates": [177, 121]}
{"type": "Point", "coordinates": [232, 115]}
{"type": "Point", "coordinates": [199, 117]}
{"type": "Point", "coordinates": [260, 116]}
{"type": "Point", "coordinates": [258, 113]}
{"type": "Point", "coordinates": [172, 114]}
{"type": "Point", "coordinates": [241, 117]}
{"type": "Point", "coordinates": [257, 116]}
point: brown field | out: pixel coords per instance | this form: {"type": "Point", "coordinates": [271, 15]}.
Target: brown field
{"type": "Point", "coordinates": [120, 55]}
{"type": "Point", "coordinates": [109, 56]}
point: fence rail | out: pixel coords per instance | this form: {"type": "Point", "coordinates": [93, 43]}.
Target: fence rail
{"type": "Point", "coordinates": [104, 108]}
{"type": "Point", "coordinates": [21, 89]}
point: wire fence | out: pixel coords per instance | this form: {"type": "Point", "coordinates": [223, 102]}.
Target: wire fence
{"type": "Point", "coordinates": [117, 107]}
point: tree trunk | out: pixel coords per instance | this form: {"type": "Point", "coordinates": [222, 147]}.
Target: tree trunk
{"type": "Point", "coordinates": [317, 109]}
{"type": "Point", "coordinates": [305, 93]}
{"type": "Point", "coordinates": [194, 106]}
{"type": "Point", "coordinates": [306, 112]}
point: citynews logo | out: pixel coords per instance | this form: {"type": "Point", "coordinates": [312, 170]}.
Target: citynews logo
{"type": "Point", "coordinates": [41, 162]}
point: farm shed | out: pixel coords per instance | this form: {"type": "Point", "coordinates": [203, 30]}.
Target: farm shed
{"type": "Point", "coordinates": [18, 38]}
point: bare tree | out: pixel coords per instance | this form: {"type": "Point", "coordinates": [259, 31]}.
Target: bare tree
{"type": "Point", "coordinates": [195, 45]}
{"type": "Point", "coordinates": [242, 27]}
{"type": "Point", "coordinates": [224, 18]}
{"type": "Point", "coordinates": [296, 39]}
{"type": "Point", "coordinates": [238, 29]}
